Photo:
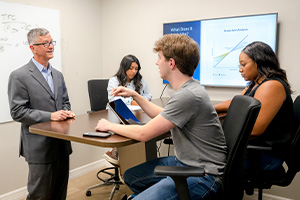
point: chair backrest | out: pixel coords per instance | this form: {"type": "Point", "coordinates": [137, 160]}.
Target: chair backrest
{"type": "Point", "coordinates": [98, 94]}
{"type": "Point", "coordinates": [237, 126]}
{"type": "Point", "coordinates": [293, 155]}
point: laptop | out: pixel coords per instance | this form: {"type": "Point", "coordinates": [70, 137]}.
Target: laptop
{"type": "Point", "coordinates": [124, 114]}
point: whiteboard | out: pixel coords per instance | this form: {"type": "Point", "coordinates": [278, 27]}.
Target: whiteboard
{"type": "Point", "coordinates": [15, 22]}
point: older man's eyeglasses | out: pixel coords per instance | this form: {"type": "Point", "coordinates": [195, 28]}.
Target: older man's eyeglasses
{"type": "Point", "coordinates": [46, 44]}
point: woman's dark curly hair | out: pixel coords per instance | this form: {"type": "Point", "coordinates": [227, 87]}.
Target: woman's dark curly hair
{"type": "Point", "coordinates": [122, 76]}
{"type": "Point", "coordinates": [267, 62]}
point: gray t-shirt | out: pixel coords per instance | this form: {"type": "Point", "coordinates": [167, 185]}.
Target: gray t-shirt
{"type": "Point", "coordinates": [198, 136]}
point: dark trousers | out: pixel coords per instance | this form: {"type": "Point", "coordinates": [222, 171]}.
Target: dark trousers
{"type": "Point", "coordinates": [48, 181]}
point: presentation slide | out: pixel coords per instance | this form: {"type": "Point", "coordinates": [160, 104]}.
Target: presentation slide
{"type": "Point", "coordinates": [222, 41]}
{"type": "Point", "coordinates": [192, 29]}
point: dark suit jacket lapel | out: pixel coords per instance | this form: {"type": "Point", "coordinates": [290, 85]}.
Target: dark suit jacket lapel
{"type": "Point", "coordinates": [36, 74]}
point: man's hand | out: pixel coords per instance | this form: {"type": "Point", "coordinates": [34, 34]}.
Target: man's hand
{"type": "Point", "coordinates": [123, 91]}
{"type": "Point", "coordinates": [102, 125]}
{"type": "Point", "coordinates": [62, 115]}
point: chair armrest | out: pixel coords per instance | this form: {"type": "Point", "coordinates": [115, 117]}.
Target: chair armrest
{"type": "Point", "coordinates": [178, 171]}
{"type": "Point", "coordinates": [259, 148]}
{"type": "Point", "coordinates": [179, 175]}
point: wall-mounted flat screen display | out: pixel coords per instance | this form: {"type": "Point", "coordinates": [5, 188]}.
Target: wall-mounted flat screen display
{"type": "Point", "coordinates": [191, 29]}
{"type": "Point", "coordinates": [221, 41]}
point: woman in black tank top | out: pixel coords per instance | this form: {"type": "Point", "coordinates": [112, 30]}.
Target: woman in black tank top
{"type": "Point", "coordinates": [267, 83]}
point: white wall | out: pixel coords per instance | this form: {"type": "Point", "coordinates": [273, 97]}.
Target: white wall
{"type": "Point", "coordinates": [96, 34]}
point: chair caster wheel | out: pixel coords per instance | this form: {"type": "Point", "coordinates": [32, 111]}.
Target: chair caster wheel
{"type": "Point", "coordinates": [88, 193]}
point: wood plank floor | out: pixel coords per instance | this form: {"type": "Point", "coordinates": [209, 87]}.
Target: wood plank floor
{"type": "Point", "coordinates": [77, 189]}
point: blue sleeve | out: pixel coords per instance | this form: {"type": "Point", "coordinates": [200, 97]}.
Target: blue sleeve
{"type": "Point", "coordinates": [146, 91]}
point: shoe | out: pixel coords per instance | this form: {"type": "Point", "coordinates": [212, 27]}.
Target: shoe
{"type": "Point", "coordinates": [112, 156]}
{"type": "Point", "coordinates": [131, 196]}
{"type": "Point", "coordinates": [128, 198]}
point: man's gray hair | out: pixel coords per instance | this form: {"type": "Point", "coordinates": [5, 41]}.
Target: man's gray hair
{"type": "Point", "coordinates": [32, 35]}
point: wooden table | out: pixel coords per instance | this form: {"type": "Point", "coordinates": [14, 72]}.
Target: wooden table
{"type": "Point", "coordinates": [131, 152]}
{"type": "Point", "coordinates": [72, 129]}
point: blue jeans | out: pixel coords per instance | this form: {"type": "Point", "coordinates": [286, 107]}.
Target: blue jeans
{"type": "Point", "coordinates": [264, 161]}
{"type": "Point", "coordinates": [147, 186]}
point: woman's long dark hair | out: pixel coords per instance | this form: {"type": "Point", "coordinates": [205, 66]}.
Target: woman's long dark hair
{"type": "Point", "coordinates": [267, 62]}
{"type": "Point", "coordinates": [122, 76]}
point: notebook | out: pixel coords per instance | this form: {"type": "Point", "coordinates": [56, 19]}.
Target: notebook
{"type": "Point", "coordinates": [121, 110]}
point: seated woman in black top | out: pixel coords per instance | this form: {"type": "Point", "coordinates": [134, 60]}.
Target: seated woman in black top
{"type": "Point", "coordinates": [267, 83]}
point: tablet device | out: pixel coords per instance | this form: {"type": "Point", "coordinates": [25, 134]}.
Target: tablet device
{"type": "Point", "coordinates": [124, 114]}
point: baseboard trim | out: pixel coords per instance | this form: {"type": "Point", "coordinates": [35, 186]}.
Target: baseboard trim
{"type": "Point", "coordinates": [15, 195]}
{"type": "Point", "coordinates": [21, 193]}
{"type": "Point", "coordinates": [80, 171]}
{"type": "Point", "coordinates": [265, 197]}
{"type": "Point", "coordinates": [273, 197]}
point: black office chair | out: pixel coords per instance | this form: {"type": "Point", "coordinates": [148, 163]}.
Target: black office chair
{"type": "Point", "coordinates": [263, 179]}
{"type": "Point", "coordinates": [97, 89]}
{"type": "Point", "coordinates": [237, 126]}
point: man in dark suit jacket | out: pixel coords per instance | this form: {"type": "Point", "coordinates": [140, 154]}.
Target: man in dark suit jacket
{"type": "Point", "coordinates": [37, 93]}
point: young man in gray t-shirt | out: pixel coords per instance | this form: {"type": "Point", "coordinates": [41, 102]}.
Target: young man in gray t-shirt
{"type": "Point", "coordinates": [191, 118]}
